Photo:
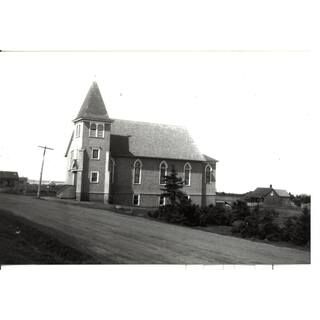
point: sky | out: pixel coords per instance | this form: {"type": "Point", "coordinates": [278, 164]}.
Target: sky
{"type": "Point", "coordinates": [241, 75]}
{"type": "Point", "coordinates": [252, 111]}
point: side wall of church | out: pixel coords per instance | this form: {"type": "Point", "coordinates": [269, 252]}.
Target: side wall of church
{"type": "Point", "coordinates": [123, 188]}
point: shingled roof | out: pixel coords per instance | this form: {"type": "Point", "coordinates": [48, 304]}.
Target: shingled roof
{"type": "Point", "coordinates": [152, 140]}
{"type": "Point", "coordinates": [13, 175]}
{"type": "Point", "coordinates": [263, 192]}
{"type": "Point", "coordinates": [93, 107]}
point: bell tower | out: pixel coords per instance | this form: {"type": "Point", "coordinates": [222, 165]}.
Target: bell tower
{"type": "Point", "coordinates": [89, 149]}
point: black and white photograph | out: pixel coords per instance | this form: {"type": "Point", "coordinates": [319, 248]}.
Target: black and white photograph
{"type": "Point", "coordinates": [171, 141]}
{"type": "Point", "coordinates": [188, 165]}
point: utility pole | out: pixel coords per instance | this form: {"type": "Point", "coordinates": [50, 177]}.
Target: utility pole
{"type": "Point", "coordinates": [44, 153]}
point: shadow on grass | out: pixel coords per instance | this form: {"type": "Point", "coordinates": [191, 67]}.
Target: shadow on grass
{"type": "Point", "coordinates": [25, 242]}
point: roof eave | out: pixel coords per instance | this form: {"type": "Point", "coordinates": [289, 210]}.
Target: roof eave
{"type": "Point", "coordinates": [93, 118]}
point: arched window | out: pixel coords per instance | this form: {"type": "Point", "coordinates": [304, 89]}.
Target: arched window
{"type": "Point", "coordinates": [209, 174]}
{"type": "Point", "coordinates": [96, 130]}
{"type": "Point", "coordinates": [187, 174]}
{"type": "Point", "coordinates": [93, 129]}
{"type": "Point", "coordinates": [111, 169]}
{"type": "Point", "coordinates": [163, 172]}
{"type": "Point", "coordinates": [100, 131]}
{"type": "Point", "coordinates": [137, 166]}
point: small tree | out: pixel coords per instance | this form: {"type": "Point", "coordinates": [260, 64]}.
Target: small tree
{"type": "Point", "coordinates": [173, 188]}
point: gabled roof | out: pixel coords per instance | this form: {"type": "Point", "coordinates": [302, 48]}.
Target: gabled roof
{"type": "Point", "coordinates": [93, 107]}
{"type": "Point", "coordinates": [282, 193]}
{"type": "Point", "coordinates": [9, 175]}
{"type": "Point", "coordinates": [152, 140]}
{"type": "Point", "coordinates": [263, 192]}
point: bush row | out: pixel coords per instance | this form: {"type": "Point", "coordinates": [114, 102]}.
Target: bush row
{"type": "Point", "coordinates": [259, 223]}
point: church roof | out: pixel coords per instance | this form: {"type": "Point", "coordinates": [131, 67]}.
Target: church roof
{"type": "Point", "coordinates": [93, 107]}
{"type": "Point", "coordinates": [152, 140]}
{"type": "Point", "coordinates": [209, 159]}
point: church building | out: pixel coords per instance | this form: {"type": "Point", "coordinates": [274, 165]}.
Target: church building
{"type": "Point", "coordinates": [124, 162]}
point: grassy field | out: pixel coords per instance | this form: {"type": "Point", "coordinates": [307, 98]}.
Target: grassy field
{"type": "Point", "coordinates": [24, 242]}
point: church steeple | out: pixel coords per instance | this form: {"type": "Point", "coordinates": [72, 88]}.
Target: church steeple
{"type": "Point", "coordinates": [93, 107]}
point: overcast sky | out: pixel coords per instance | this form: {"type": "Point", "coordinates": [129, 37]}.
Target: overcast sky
{"type": "Point", "coordinates": [251, 111]}
{"type": "Point", "coordinates": [247, 92]}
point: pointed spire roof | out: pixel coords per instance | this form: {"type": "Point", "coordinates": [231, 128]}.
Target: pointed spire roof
{"type": "Point", "coordinates": [93, 107]}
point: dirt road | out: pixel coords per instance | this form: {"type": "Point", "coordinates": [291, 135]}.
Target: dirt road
{"type": "Point", "coordinates": [126, 239]}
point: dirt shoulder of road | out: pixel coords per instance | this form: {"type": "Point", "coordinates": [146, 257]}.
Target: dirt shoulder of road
{"type": "Point", "coordinates": [25, 242]}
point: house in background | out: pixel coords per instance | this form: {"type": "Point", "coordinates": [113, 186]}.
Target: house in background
{"type": "Point", "coordinates": [9, 180]}
{"type": "Point", "coordinates": [268, 197]}
{"type": "Point", "coordinates": [125, 162]}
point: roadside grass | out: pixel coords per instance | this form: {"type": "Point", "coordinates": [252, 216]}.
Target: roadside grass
{"type": "Point", "coordinates": [24, 242]}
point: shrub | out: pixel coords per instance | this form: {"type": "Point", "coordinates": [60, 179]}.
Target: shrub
{"type": "Point", "coordinates": [240, 211]}
{"type": "Point", "coordinates": [297, 229]}
{"type": "Point", "coordinates": [217, 216]}
{"type": "Point", "coordinates": [237, 226]}
{"type": "Point", "coordinates": [259, 224]}
{"type": "Point", "coordinates": [193, 215]}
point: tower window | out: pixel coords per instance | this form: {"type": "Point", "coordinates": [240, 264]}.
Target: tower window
{"type": "Point", "coordinates": [163, 172]}
{"type": "Point", "coordinates": [94, 176]}
{"type": "Point", "coordinates": [93, 129]}
{"type": "Point", "coordinates": [100, 131]}
{"type": "Point", "coordinates": [187, 174]}
{"type": "Point", "coordinates": [136, 200]}
{"type": "Point", "coordinates": [78, 130]}
{"type": "Point", "coordinates": [95, 153]}
{"type": "Point", "coordinates": [137, 172]}
{"type": "Point", "coordinates": [96, 130]}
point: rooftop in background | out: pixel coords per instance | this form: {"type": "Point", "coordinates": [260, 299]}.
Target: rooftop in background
{"type": "Point", "coordinates": [9, 175]}
{"type": "Point", "coordinates": [262, 192]}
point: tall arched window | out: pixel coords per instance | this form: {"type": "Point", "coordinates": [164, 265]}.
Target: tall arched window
{"type": "Point", "coordinates": [137, 166]}
{"type": "Point", "coordinates": [93, 129]}
{"type": "Point", "coordinates": [209, 174]}
{"type": "Point", "coordinates": [163, 172]}
{"type": "Point", "coordinates": [111, 169]}
{"type": "Point", "coordinates": [187, 174]}
{"type": "Point", "coordinates": [100, 131]}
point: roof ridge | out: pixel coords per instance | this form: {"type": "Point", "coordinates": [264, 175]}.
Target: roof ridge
{"type": "Point", "coordinates": [155, 123]}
